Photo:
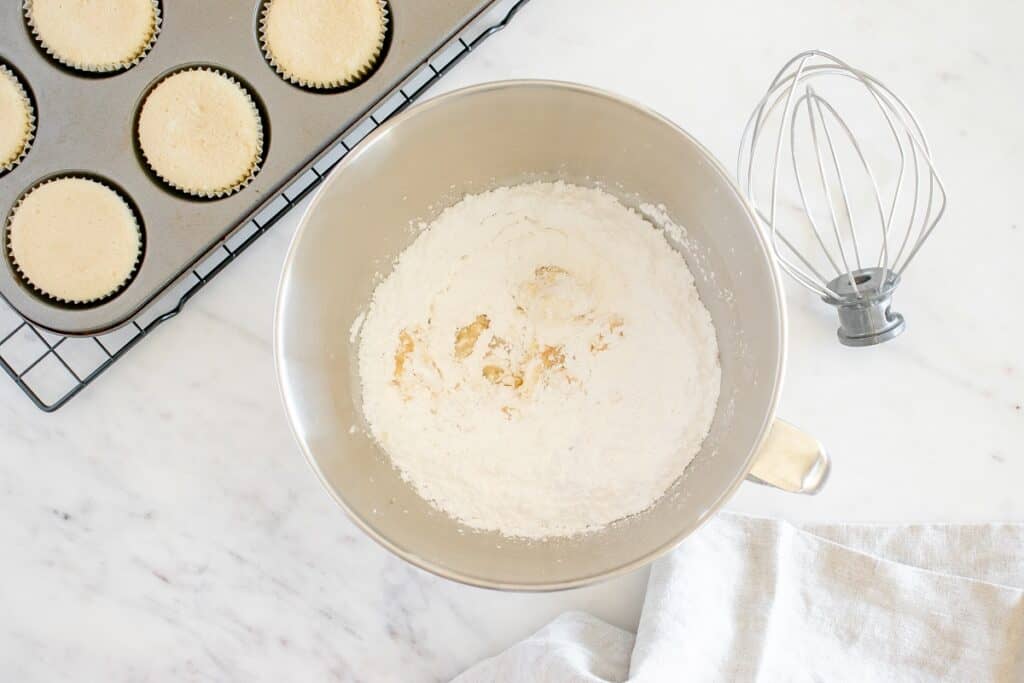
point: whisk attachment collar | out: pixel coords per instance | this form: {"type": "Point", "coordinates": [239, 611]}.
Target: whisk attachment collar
{"type": "Point", "coordinates": [863, 299]}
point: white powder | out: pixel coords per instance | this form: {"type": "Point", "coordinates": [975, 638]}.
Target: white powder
{"type": "Point", "coordinates": [539, 362]}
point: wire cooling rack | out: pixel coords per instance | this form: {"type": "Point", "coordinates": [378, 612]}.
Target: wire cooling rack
{"type": "Point", "coordinates": [51, 369]}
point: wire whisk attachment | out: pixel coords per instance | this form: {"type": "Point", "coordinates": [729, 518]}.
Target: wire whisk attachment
{"type": "Point", "coordinates": [839, 171]}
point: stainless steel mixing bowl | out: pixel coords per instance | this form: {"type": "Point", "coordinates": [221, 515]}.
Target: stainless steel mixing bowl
{"type": "Point", "coordinates": [500, 134]}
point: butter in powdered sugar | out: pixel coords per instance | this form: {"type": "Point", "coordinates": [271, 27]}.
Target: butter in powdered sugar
{"type": "Point", "coordinates": [539, 362]}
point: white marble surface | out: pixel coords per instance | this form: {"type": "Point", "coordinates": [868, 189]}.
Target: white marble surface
{"type": "Point", "coordinates": [164, 526]}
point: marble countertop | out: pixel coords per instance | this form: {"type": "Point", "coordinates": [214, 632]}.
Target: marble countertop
{"type": "Point", "coordinates": [164, 526]}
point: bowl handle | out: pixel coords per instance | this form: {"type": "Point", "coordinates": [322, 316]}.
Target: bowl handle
{"type": "Point", "coordinates": [791, 460]}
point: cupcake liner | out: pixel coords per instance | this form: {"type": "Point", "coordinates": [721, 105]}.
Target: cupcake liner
{"type": "Point", "coordinates": [353, 79]}
{"type": "Point", "coordinates": [103, 68]}
{"type": "Point", "coordinates": [30, 132]}
{"type": "Point", "coordinates": [39, 291]}
{"type": "Point", "coordinates": [260, 141]}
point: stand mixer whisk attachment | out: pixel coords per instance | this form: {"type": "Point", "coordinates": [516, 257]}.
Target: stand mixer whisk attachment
{"type": "Point", "coordinates": [867, 195]}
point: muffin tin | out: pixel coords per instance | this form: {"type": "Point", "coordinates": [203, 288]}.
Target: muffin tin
{"type": "Point", "coordinates": [86, 126]}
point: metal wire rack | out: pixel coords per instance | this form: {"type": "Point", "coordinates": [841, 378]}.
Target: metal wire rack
{"type": "Point", "coordinates": [51, 369]}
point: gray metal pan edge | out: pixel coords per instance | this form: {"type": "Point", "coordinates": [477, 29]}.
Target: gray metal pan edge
{"type": "Point", "coordinates": [85, 125]}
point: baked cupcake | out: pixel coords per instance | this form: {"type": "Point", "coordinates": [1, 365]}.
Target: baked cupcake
{"type": "Point", "coordinates": [74, 240]}
{"type": "Point", "coordinates": [97, 36]}
{"type": "Point", "coordinates": [200, 132]}
{"type": "Point", "coordinates": [323, 44]}
{"type": "Point", "coordinates": [17, 120]}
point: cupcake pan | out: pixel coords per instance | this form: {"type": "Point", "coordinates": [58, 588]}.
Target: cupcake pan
{"type": "Point", "coordinates": [86, 125]}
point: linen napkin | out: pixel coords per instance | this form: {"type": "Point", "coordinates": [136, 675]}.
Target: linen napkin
{"type": "Point", "coordinates": [746, 599]}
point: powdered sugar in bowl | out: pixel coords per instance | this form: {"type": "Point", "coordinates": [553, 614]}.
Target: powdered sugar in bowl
{"type": "Point", "coordinates": [540, 135]}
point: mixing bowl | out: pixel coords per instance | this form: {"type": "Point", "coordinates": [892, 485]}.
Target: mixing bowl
{"type": "Point", "coordinates": [498, 134]}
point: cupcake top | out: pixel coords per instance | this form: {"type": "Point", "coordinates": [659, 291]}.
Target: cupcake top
{"type": "Point", "coordinates": [323, 43]}
{"type": "Point", "coordinates": [201, 133]}
{"type": "Point", "coordinates": [94, 35]}
{"type": "Point", "coordinates": [74, 239]}
{"type": "Point", "coordinates": [17, 120]}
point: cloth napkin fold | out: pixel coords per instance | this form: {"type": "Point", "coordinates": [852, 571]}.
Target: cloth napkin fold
{"type": "Point", "coordinates": [746, 599]}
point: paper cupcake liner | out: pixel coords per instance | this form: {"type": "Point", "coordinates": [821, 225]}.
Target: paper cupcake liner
{"type": "Point", "coordinates": [244, 179]}
{"type": "Point", "coordinates": [353, 79]}
{"type": "Point", "coordinates": [30, 132]}
{"type": "Point", "coordinates": [42, 293]}
{"type": "Point", "coordinates": [143, 49]}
